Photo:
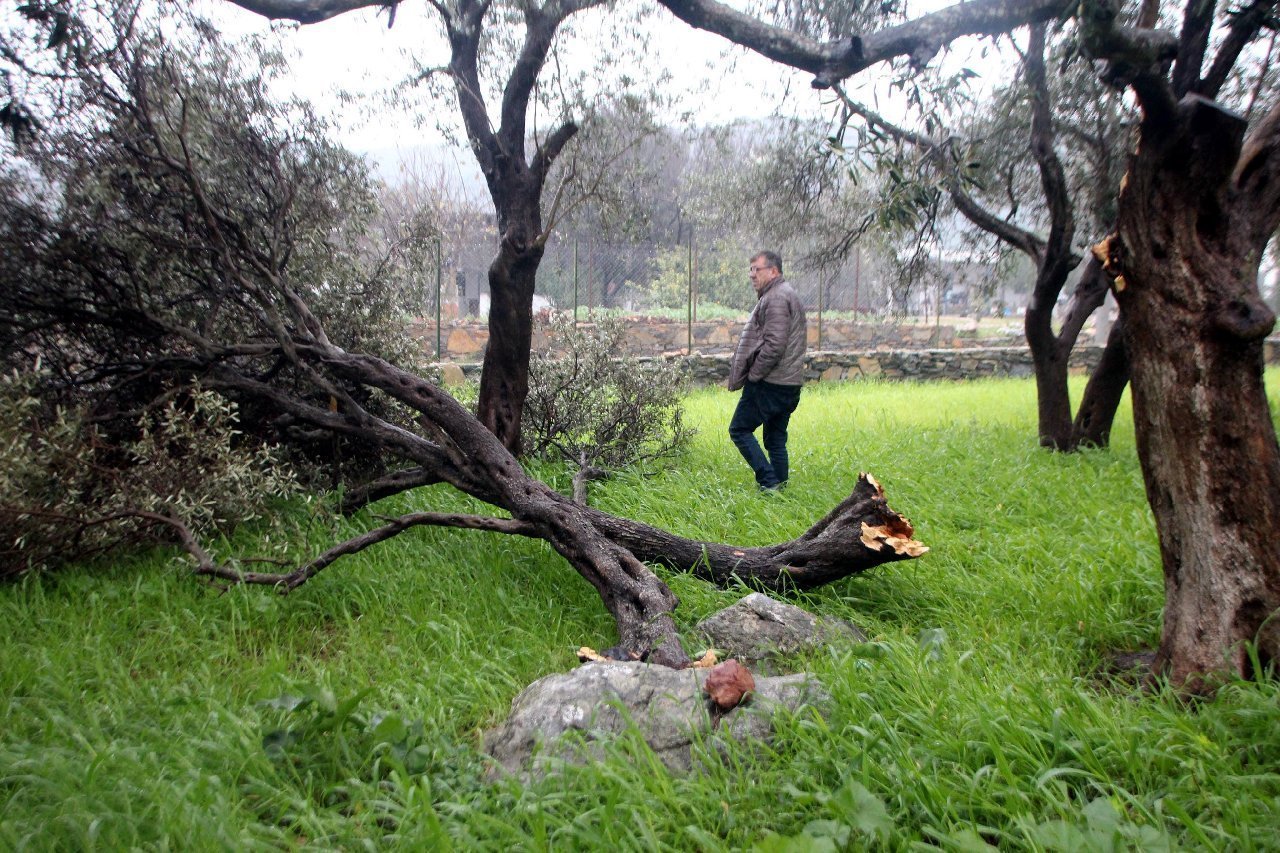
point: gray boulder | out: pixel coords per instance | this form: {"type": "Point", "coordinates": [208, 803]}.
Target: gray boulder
{"type": "Point", "coordinates": [599, 701]}
{"type": "Point", "coordinates": [758, 627]}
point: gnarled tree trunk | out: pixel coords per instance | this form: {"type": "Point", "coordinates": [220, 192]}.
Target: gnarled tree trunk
{"type": "Point", "coordinates": [609, 552]}
{"type": "Point", "coordinates": [504, 379]}
{"type": "Point", "coordinates": [1194, 218]}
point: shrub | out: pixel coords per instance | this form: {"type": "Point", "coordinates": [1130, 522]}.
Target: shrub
{"type": "Point", "coordinates": [70, 493]}
{"type": "Point", "coordinates": [599, 411]}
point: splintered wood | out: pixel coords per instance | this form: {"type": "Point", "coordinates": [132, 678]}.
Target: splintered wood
{"type": "Point", "coordinates": [1107, 253]}
{"type": "Point", "coordinates": [896, 534]}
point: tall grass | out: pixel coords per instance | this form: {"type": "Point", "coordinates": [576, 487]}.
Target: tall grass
{"type": "Point", "coordinates": [144, 709]}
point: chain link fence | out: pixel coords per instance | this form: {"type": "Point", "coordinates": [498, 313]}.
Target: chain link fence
{"type": "Point", "coordinates": [694, 280]}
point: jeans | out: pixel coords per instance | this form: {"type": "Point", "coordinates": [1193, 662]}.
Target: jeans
{"type": "Point", "coordinates": [768, 405]}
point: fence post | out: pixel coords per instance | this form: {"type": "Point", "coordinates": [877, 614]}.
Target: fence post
{"type": "Point", "coordinates": [857, 280]}
{"type": "Point", "coordinates": [439, 299]}
{"type": "Point", "coordinates": [821, 288]}
{"type": "Point", "coordinates": [697, 273]}
{"type": "Point", "coordinates": [689, 312]}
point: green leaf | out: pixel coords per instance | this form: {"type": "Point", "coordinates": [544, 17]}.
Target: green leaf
{"type": "Point", "coordinates": [969, 841]}
{"type": "Point", "coordinates": [1101, 815]}
{"type": "Point", "coordinates": [931, 641]}
{"type": "Point", "coordinates": [1059, 835]}
{"type": "Point", "coordinates": [863, 809]}
{"type": "Point", "coordinates": [389, 729]}
{"type": "Point", "coordinates": [774, 843]}
{"type": "Point", "coordinates": [322, 696]}
{"type": "Point", "coordinates": [835, 830]}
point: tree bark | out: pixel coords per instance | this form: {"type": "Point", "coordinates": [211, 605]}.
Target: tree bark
{"type": "Point", "coordinates": [1102, 394]}
{"type": "Point", "coordinates": [515, 182]}
{"type": "Point", "coordinates": [861, 532]}
{"type": "Point", "coordinates": [504, 376]}
{"type": "Point", "coordinates": [1185, 257]}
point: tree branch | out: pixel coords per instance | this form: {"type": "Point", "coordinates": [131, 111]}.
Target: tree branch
{"type": "Point", "coordinates": [1134, 54]}
{"type": "Point", "coordinates": [1193, 42]}
{"type": "Point", "coordinates": [1257, 177]}
{"type": "Point", "coordinates": [1053, 179]}
{"type": "Point", "coordinates": [550, 149]}
{"type": "Point", "coordinates": [1090, 292]}
{"type": "Point", "coordinates": [832, 62]}
{"type": "Point", "coordinates": [1245, 24]}
{"type": "Point", "coordinates": [1001, 229]}
{"type": "Point", "coordinates": [353, 500]}
{"type": "Point", "coordinates": [305, 11]}
{"type": "Point", "coordinates": [395, 527]}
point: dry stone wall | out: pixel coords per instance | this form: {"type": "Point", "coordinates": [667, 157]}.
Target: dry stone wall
{"type": "Point", "coordinates": [901, 365]}
{"type": "Point", "coordinates": [466, 341]}
{"type": "Point", "coordinates": [850, 351]}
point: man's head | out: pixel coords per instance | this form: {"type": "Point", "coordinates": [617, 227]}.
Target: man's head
{"type": "Point", "coordinates": [765, 268]}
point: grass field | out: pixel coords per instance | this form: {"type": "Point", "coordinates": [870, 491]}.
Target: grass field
{"type": "Point", "coordinates": [143, 709]}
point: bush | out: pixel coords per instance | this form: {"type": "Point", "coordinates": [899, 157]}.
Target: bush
{"type": "Point", "coordinates": [70, 493]}
{"type": "Point", "coordinates": [598, 411]}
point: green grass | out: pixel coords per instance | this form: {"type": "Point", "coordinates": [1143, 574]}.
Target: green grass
{"type": "Point", "coordinates": [142, 709]}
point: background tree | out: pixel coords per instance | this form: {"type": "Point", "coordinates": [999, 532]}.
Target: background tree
{"type": "Point", "coordinates": [490, 41]}
{"type": "Point", "coordinates": [1031, 199]}
{"type": "Point", "coordinates": [617, 189]}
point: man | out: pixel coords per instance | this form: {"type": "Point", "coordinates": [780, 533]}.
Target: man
{"type": "Point", "coordinates": [768, 366]}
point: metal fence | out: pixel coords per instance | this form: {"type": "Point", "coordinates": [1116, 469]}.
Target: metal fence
{"type": "Point", "coordinates": [690, 281]}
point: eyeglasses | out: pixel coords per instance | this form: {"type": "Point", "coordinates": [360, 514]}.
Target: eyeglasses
{"type": "Point", "coordinates": [758, 269]}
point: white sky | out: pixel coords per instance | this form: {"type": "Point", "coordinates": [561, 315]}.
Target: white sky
{"type": "Point", "coordinates": [357, 53]}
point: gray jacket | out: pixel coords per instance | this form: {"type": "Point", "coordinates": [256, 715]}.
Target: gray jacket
{"type": "Point", "coordinates": [772, 345]}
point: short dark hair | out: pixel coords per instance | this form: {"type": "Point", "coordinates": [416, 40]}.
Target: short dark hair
{"type": "Point", "coordinates": [772, 259]}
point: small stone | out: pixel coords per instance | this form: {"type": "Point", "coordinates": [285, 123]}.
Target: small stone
{"type": "Point", "coordinates": [451, 374]}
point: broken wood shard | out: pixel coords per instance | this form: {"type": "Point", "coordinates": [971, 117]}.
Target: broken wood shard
{"type": "Point", "coordinates": [590, 655]}
{"type": "Point", "coordinates": [896, 535]}
{"type": "Point", "coordinates": [708, 660]}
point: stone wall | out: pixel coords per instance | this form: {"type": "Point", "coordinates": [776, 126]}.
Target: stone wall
{"type": "Point", "coordinates": [827, 366]}
{"type": "Point", "coordinates": [869, 352]}
{"type": "Point", "coordinates": [466, 341]}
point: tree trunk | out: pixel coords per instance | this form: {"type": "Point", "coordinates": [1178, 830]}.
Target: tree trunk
{"type": "Point", "coordinates": [1186, 260]}
{"type": "Point", "coordinates": [1102, 394]}
{"type": "Point", "coordinates": [609, 552]}
{"type": "Point", "coordinates": [860, 533]}
{"type": "Point", "coordinates": [1049, 358]}
{"type": "Point", "coordinates": [504, 378]}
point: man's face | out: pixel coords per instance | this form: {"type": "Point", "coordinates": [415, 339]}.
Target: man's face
{"type": "Point", "coordinates": [762, 274]}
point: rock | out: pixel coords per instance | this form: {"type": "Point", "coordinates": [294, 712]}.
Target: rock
{"type": "Point", "coordinates": [463, 342]}
{"type": "Point", "coordinates": [728, 684]}
{"type": "Point", "coordinates": [451, 374]}
{"type": "Point", "coordinates": [597, 702]}
{"type": "Point", "coordinates": [759, 627]}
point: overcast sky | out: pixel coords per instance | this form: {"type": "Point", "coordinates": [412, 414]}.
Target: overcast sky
{"type": "Point", "coordinates": [357, 53]}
